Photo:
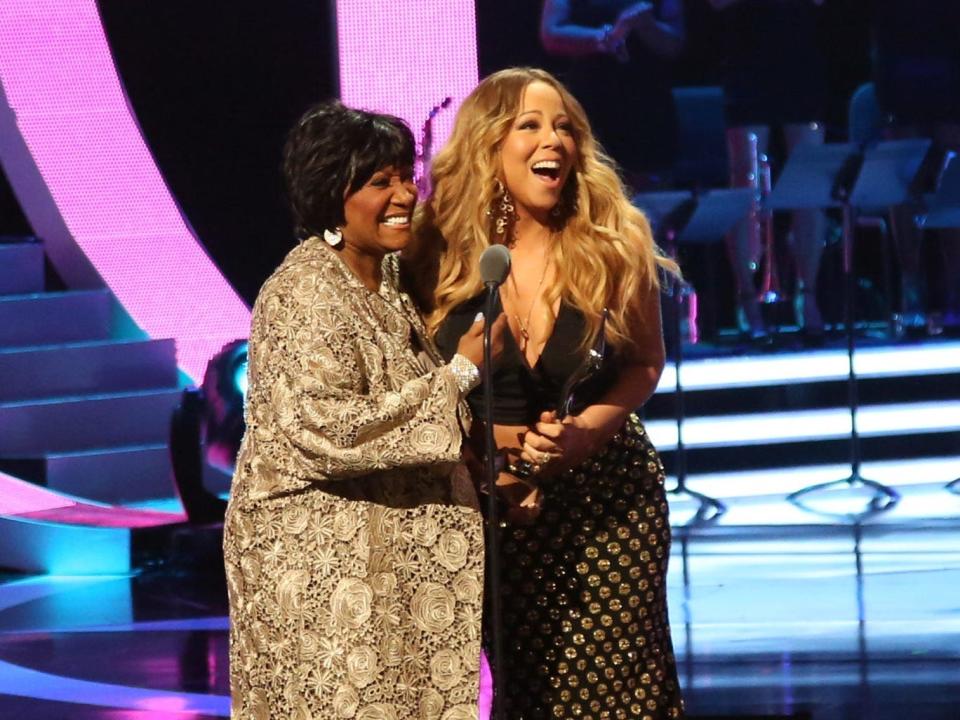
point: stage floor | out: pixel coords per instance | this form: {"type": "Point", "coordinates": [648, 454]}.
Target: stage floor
{"type": "Point", "coordinates": [770, 617]}
{"type": "Point", "coordinates": [779, 609]}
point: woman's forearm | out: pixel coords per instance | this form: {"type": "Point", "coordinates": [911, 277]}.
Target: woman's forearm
{"type": "Point", "coordinates": [571, 40]}
{"type": "Point", "coordinates": [637, 376]}
{"type": "Point", "coordinates": [561, 37]}
{"type": "Point", "coordinates": [633, 388]}
{"type": "Point", "coordinates": [507, 438]}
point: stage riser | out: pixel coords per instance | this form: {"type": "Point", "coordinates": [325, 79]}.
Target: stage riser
{"type": "Point", "coordinates": [82, 411]}
{"type": "Point", "coordinates": [43, 547]}
{"type": "Point", "coordinates": [116, 476]}
{"type": "Point", "coordinates": [813, 452]}
{"type": "Point", "coordinates": [55, 548]}
{"type": "Point", "coordinates": [48, 372]}
{"type": "Point", "coordinates": [51, 318]}
{"type": "Point", "coordinates": [806, 396]}
{"type": "Point", "coordinates": [36, 428]}
{"type": "Point", "coordinates": [21, 268]}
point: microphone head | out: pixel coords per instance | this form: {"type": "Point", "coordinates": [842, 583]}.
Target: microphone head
{"type": "Point", "coordinates": [495, 265]}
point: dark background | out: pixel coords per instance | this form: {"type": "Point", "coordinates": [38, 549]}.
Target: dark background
{"type": "Point", "coordinates": [12, 220]}
{"type": "Point", "coordinates": [508, 34]}
{"type": "Point", "coordinates": [215, 86]}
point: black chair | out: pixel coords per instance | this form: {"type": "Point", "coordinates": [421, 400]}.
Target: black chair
{"type": "Point", "coordinates": [701, 138]}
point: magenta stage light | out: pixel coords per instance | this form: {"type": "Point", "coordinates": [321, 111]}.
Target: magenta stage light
{"type": "Point", "coordinates": [406, 59]}
{"type": "Point", "coordinates": [83, 173]}
{"type": "Point", "coordinates": [77, 160]}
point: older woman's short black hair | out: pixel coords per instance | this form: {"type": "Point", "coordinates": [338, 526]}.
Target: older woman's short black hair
{"type": "Point", "coordinates": [330, 153]}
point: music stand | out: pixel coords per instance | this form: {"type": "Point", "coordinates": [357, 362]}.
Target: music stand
{"type": "Point", "coordinates": [891, 175]}
{"type": "Point", "coordinates": [715, 214]}
{"type": "Point", "coordinates": [943, 212]}
{"type": "Point", "coordinates": [845, 176]}
{"type": "Point", "coordinates": [809, 177]}
{"type": "Point", "coordinates": [942, 208]}
{"type": "Point", "coordinates": [681, 218]}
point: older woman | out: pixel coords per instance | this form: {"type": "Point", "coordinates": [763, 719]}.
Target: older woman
{"type": "Point", "coordinates": [353, 546]}
{"type": "Point", "coordinates": [584, 580]}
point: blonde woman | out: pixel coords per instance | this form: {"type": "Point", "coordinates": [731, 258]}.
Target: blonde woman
{"type": "Point", "coordinates": [584, 577]}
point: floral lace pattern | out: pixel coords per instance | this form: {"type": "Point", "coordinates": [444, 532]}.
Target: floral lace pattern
{"type": "Point", "coordinates": [353, 544]}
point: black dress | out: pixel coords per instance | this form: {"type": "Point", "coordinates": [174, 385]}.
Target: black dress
{"type": "Point", "coordinates": [584, 586]}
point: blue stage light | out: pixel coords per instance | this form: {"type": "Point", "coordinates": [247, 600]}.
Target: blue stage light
{"type": "Point", "coordinates": [240, 377]}
{"type": "Point", "coordinates": [224, 391]}
{"type": "Point", "coordinates": [207, 428]}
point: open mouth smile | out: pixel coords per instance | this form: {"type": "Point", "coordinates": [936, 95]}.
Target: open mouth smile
{"type": "Point", "coordinates": [548, 171]}
{"type": "Point", "coordinates": [397, 221]}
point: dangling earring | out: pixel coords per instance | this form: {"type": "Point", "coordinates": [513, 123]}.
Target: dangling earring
{"type": "Point", "coordinates": [505, 211]}
{"type": "Point", "coordinates": [333, 237]}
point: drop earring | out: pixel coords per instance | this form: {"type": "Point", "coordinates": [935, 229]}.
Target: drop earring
{"type": "Point", "coordinates": [333, 237]}
{"type": "Point", "coordinates": [505, 212]}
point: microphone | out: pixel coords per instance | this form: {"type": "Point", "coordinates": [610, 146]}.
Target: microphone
{"type": "Point", "coordinates": [494, 266]}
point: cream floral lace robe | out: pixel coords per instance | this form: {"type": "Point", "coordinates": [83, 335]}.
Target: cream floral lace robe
{"type": "Point", "coordinates": [353, 546]}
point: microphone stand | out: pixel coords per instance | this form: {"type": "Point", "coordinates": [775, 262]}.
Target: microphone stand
{"type": "Point", "coordinates": [493, 521]}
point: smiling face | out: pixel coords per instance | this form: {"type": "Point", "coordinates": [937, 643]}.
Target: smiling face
{"type": "Point", "coordinates": [539, 151]}
{"type": "Point", "coordinates": [378, 215]}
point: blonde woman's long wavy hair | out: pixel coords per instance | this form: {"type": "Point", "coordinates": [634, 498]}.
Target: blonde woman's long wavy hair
{"type": "Point", "coordinates": [605, 255]}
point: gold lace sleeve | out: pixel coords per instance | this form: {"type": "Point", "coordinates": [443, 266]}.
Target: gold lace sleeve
{"type": "Point", "coordinates": [350, 401]}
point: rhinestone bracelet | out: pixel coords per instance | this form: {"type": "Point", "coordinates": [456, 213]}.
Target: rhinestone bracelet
{"type": "Point", "coordinates": [465, 373]}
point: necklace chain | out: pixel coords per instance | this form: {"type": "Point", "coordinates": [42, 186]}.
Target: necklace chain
{"type": "Point", "coordinates": [525, 325]}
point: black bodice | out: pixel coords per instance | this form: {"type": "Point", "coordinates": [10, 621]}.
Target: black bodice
{"type": "Point", "coordinates": [522, 392]}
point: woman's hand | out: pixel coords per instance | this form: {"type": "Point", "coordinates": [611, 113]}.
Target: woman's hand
{"type": "Point", "coordinates": [554, 446]}
{"type": "Point", "coordinates": [637, 17]}
{"type": "Point", "coordinates": [471, 343]}
{"type": "Point", "coordinates": [522, 497]}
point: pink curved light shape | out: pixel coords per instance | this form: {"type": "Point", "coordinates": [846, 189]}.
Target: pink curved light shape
{"type": "Point", "coordinates": [70, 113]}
{"type": "Point", "coordinates": [406, 58]}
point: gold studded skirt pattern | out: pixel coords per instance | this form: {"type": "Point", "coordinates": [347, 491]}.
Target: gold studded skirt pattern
{"type": "Point", "coordinates": [584, 594]}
